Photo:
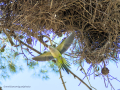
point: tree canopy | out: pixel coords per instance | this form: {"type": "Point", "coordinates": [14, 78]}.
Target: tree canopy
{"type": "Point", "coordinates": [96, 24]}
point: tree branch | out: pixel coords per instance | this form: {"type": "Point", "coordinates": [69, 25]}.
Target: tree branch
{"type": "Point", "coordinates": [10, 39]}
{"type": "Point", "coordinates": [8, 36]}
{"type": "Point", "coordinates": [79, 79]}
{"type": "Point", "coordinates": [62, 79]}
{"type": "Point", "coordinates": [28, 46]}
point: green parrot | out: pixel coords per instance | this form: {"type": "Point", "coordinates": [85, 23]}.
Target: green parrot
{"type": "Point", "coordinates": [57, 53]}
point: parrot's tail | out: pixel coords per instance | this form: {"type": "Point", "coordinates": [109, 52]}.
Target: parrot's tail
{"type": "Point", "coordinates": [62, 63]}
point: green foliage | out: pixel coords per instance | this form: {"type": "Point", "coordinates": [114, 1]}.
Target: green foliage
{"type": "Point", "coordinates": [32, 64]}
{"type": "Point", "coordinates": [53, 66]}
{"type": "Point", "coordinates": [12, 67]}
{"type": "Point", "coordinates": [20, 68]}
{"type": "Point", "coordinates": [15, 54]}
{"type": "Point", "coordinates": [45, 77]}
{"type": "Point", "coordinates": [2, 67]}
{"type": "Point", "coordinates": [43, 71]}
{"type": "Point", "coordinates": [2, 50]}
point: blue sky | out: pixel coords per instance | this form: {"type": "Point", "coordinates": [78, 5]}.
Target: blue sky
{"type": "Point", "coordinates": [27, 81]}
{"type": "Point", "coordinates": [26, 78]}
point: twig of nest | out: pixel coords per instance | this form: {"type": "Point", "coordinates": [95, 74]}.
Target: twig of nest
{"type": "Point", "coordinates": [29, 40]}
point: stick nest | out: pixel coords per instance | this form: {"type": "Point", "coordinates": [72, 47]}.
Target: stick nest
{"type": "Point", "coordinates": [96, 23]}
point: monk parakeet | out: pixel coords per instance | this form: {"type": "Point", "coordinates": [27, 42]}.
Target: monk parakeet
{"type": "Point", "coordinates": [57, 53]}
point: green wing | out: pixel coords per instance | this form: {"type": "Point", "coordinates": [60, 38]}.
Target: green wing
{"type": "Point", "coordinates": [61, 48]}
{"type": "Point", "coordinates": [66, 43]}
{"type": "Point", "coordinates": [44, 57]}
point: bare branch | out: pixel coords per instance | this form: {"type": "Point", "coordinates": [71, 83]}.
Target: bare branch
{"type": "Point", "coordinates": [79, 79]}
{"type": "Point", "coordinates": [28, 46]}
{"type": "Point", "coordinates": [8, 35]}
{"type": "Point", "coordinates": [62, 79]}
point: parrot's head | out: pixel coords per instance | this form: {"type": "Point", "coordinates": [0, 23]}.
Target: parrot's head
{"type": "Point", "coordinates": [52, 49]}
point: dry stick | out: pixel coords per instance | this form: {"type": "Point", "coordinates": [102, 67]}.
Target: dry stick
{"type": "Point", "coordinates": [28, 46]}
{"type": "Point", "coordinates": [43, 41]}
{"type": "Point", "coordinates": [51, 4]}
{"type": "Point", "coordinates": [62, 79]}
{"type": "Point", "coordinates": [110, 83]}
{"type": "Point", "coordinates": [79, 79]}
{"type": "Point", "coordinates": [10, 39]}
{"type": "Point", "coordinates": [8, 35]}
{"type": "Point", "coordinates": [87, 76]}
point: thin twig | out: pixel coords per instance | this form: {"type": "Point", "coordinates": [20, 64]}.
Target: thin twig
{"type": "Point", "coordinates": [110, 83]}
{"type": "Point", "coordinates": [10, 39]}
{"type": "Point", "coordinates": [51, 4]}
{"type": "Point", "coordinates": [87, 76]}
{"type": "Point", "coordinates": [8, 36]}
{"type": "Point", "coordinates": [79, 79]}
{"type": "Point", "coordinates": [28, 46]}
{"type": "Point", "coordinates": [62, 79]}
{"type": "Point", "coordinates": [40, 39]}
